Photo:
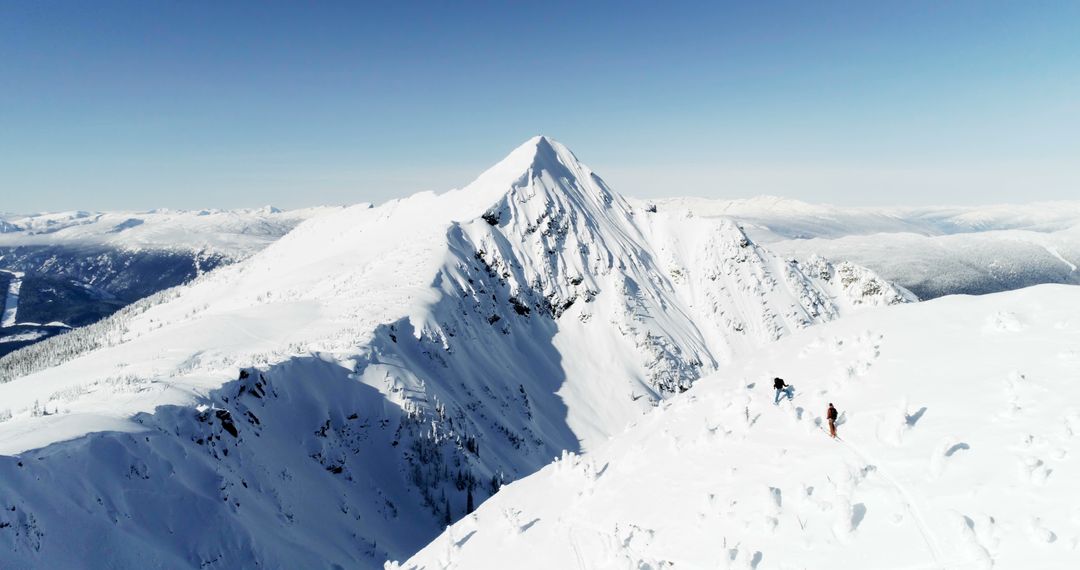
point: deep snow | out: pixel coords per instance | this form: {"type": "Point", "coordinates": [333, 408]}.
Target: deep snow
{"type": "Point", "coordinates": [960, 427]}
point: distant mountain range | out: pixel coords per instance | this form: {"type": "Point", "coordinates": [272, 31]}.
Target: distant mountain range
{"type": "Point", "coordinates": [81, 266]}
{"type": "Point", "coordinates": [77, 267]}
{"type": "Point", "coordinates": [933, 251]}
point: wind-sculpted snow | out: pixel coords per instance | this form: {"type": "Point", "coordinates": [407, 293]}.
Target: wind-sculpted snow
{"type": "Point", "coordinates": [481, 331]}
{"type": "Point", "coordinates": [960, 448]}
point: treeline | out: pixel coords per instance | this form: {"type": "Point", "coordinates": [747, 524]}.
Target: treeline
{"type": "Point", "coordinates": [59, 349]}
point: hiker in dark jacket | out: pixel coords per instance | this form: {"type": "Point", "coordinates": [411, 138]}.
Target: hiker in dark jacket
{"type": "Point", "coordinates": [832, 415]}
{"type": "Point", "coordinates": [781, 388]}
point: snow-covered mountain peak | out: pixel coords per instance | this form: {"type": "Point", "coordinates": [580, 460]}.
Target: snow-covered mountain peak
{"type": "Point", "coordinates": [534, 153]}
{"type": "Point", "coordinates": [537, 246]}
{"type": "Point", "coordinates": [531, 312]}
{"type": "Point", "coordinates": [541, 166]}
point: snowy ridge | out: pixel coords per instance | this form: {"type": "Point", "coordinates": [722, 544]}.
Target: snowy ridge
{"type": "Point", "coordinates": [561, 235]}
{"type": "Point", "coordinates": [399, 364]}
{"type": "Point", "coordinates": [959, 429]}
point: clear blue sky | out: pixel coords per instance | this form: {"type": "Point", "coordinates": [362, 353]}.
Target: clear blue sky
{"type": "Point", "coordinates": [142, 104]}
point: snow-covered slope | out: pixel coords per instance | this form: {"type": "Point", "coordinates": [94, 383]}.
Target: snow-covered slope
{"type": "Point", "coordinates": [933, 251]}
{"type": "Point", "coordinates": [960, 448]}
{"type": "Point", "coordinates": [396, 365]}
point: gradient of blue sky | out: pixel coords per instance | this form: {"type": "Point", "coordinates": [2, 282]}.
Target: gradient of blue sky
{"type": "Point", "coordinates": [137, 104]}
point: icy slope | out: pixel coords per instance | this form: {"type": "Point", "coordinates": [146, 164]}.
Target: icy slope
{"type": "Point", "coordinates": [933, 251]}
{"type": "Point", "coordinates": [960, 428]}
{"type": "Point", "coordinates": [399, 364]}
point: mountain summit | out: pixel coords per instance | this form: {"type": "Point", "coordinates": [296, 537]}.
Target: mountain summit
{"type": "Point", "coordinates": [538, 163]}
{"type": "Point", "coordinates": [375, 374]}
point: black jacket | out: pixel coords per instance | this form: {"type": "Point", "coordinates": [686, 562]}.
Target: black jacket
{"type": "Point", "coordinates": [778, 384]}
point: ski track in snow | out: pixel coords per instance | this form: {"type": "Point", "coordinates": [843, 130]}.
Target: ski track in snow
{"type": "Point", "coordinates": [574, 544]}
{"type": "Point", "coordinates": [1054, 252]}
{"type": "Point", "coordinates": [909, 504]}
{"type": "Point", "coordinates": [11, 300]}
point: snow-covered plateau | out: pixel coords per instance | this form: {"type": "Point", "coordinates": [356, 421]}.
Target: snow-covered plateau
{"type": "Point", "coordinates": [337, 398]}
{"type": "Point", "coordinates": [959, 448]}
{"type": "Point", "coordinates": [932, 251]}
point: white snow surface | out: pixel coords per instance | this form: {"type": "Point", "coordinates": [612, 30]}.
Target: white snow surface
{"type": "Point", "coordinates": [236, 233]}
{"type": "Point", "coordinates": [477, 332]}
{"type": "Point", "coordinates": [960, 448]}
